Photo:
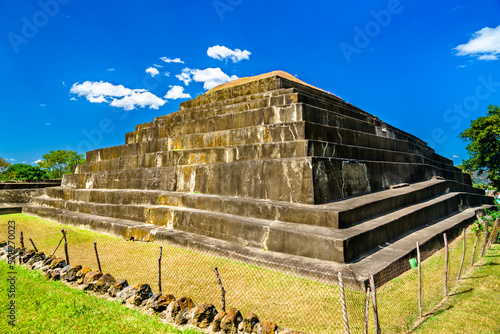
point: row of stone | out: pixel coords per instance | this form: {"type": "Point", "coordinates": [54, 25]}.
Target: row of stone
{"type": "Point", "coordinates": [181, 311]}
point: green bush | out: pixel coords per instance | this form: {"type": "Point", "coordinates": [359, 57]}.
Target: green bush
{"type": "Point", "coordinates": [23, 172]}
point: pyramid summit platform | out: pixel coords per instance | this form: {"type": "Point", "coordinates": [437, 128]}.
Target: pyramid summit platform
{"type": "Point", "coordinates": [275, 172]}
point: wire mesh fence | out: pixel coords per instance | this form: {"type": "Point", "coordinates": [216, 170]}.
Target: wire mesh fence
{"type": "Point", "coordinates": [291, 302]}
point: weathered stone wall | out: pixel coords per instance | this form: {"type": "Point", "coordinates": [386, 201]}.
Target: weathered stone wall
{"type": "Point", "coordinates": [19, 195]}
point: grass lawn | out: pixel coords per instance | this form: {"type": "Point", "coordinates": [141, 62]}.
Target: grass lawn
{"type": "Point", "coordinates": [475, 305]}
{"type": "Point", "coordinates": [44, 306]}
{"type": "Point", "coordinates": [292, 302]}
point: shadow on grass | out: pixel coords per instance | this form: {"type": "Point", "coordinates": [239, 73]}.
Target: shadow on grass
{"type": "Point", "coordinates": [472, 277]}
{"type": "Point", "coordinates": [429, 315]}
{"type": "Point", "coordinates": [441, 309]}
{"type": "Point", "coordinates": [460, 292]}
{"type": "Point", "coordinates": [489, 264]}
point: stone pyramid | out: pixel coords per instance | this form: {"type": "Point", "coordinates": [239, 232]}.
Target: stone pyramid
{"type": "Point", "coordinates": [269, 167]}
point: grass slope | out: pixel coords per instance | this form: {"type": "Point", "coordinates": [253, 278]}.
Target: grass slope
{"type": "Point", "coordinates": [290, 301]}
{"type": "Point", "coordinates": [44, 306]}
{"type": "Point", "coordinates": [475, 305]}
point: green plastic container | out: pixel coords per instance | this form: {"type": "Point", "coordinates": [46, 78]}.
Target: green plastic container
{"type": "Point", "coordinates": [414, 263]}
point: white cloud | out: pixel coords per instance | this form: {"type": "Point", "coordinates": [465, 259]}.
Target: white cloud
{"type": "Point", "coordinates": [36, 162]}
{"type": "Point", "coordinates": [138, 99]}
{"type": "Point", "coordinates": [47, 124]}
{"type": "Point", "coordinates": [167, 74]}
{"type": "Point", "coordinates": [73, 98]}
{"type": "Point", "coordinates": [43, 105]}
{"type": "Point", "coordinates": [12, 159]}
{"type": "Point", "coordinates": [110, 69]}
{"type": "Point", "coordinates": [158, 66]}
{"type": "Point", "coordinates": [168, 60]}
{"type": "Point", "coordinates": [95, 89]}
{"type": "Point", "coordinates": [488, 57]}
{"type": "Point", "coordinates": [455, 156]}
{"type": "Point", "coordinates": [177, 92]}
{"type": "Point", "coordinates": [120, 96]}
{"type": "Point", "coordinates": [185, 76]}
{"type": "Point", "coordinates": [222, 52]}
{"type": "Point", "coordinates": [484, 44]}
{"type": "Point", "coordinates": [210, 77]}
{"type": "Point", "coordinates": [96, 99]}
{"type": "Point", "coordinates": [153, 71]}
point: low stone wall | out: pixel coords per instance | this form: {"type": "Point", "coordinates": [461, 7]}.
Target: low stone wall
{"type": "Point", "coordinates": [24, 192]}
{"type": "Point", "coordinates": [30, 184]}
{"type": "Point", "coordinates": [182, 312]}
{"type": "Point", "coordinates": [19, 195]}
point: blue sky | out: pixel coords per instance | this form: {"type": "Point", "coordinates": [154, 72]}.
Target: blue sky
{"type": "Point", "coordinates": [80, 74]}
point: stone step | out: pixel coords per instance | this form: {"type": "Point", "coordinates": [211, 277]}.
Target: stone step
{"type": "Point", "coordinates": [322, 271]}
{"type": "Point", "coordinates": [336, 179]}
{"type": "Point", "coordinates": [228, 154]}
{"type": "Point", "coordinates": [295, 112]}
{"type": "Point", "coordinates": [292, 180]}
{"type": "Point", "coordinates": [324, 133]}
{"type": "Point", "coordinates": [329, 136]}
{"type": "Point", "coordinates": [333, 105]}
{"type": "Point", "coordinates": [384, 263]}
{"type": "Point", "coordinates": [325, 215]}
{"type": "Point", "coordinates": [249, 118]}
{"type": "Point", "coordinates": [352, 152]}
{"type": "Point", "coordinates": [336, 215]}
{"type": "Point", "coordinates": [392, 258]}
{"type": "Point", "coordinates": [277, 97]}
{"type": "Point", "coordinates": [238, 229]}
{"type": "Point", "coordinates": [321, 243]}
{"type": "Point", "coordinates": [352, 111]}
{"type": "Point", "coordinates": [266, 100]}
{"type": "Point", "coordinates": [160, 126]}
{"type": "Point", "coordinates": [254, 152]}
{"type": "Point", "coordinates": [275, 133]}
{"type": "Point", "coordinates": [355, 210]}
{"type": "Point", "coordinates": [255, 87]}
{"type": "Point", "coordinates": [345, 245]}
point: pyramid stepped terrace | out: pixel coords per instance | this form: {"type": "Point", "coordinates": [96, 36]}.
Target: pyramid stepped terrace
{"type": "Point", "coordinates": [273, 171]}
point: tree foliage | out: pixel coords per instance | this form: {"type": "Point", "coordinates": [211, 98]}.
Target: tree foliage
{"type": "Point", "coordinates": [24, 172]}
{"type": "Point", "coordinates": [483, 137]}
{"type": "Point", "coordinates": [3, 165]}
{"type": "Point", "coordinates": [60, 162]}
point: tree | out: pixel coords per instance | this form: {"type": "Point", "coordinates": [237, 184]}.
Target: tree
{"type": "Point", "coordinates": [483, 137]}
{"type": "Point", "coordinates": [3, 165]}
{"type": "Point", "coordinates": [60, 162]}
{"type": "Point", "coordinates": [24, 172]}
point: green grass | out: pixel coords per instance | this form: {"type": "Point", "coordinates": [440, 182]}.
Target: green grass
{"type": "Point", "coordinates": [292, 302]}
{"type": "Point", "coordinates": [44, 306]}
{"type": "Point", "coordinates": [475, 305]}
